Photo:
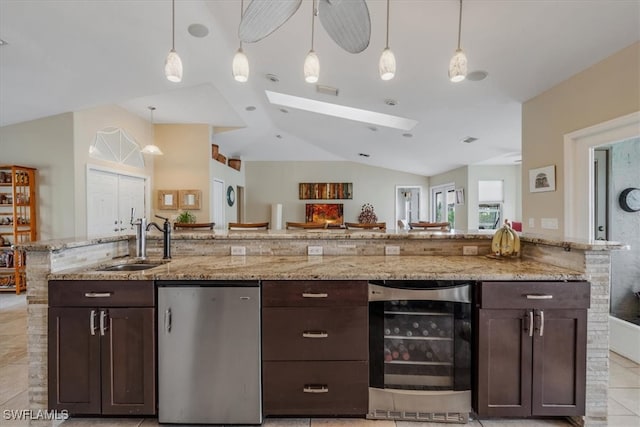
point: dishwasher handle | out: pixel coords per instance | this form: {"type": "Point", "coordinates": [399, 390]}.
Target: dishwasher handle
{"type": "Point", "coordinates": [167, 320]}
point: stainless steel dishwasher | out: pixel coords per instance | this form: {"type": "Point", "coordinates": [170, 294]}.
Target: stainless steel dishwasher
{"type": "Point", "coordinates": [209, 369]}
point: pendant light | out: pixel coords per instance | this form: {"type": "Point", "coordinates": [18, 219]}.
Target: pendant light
{"type": "Point", "coordinates": [173, 63]}
{"type": "Point", "coordinates": [151, 148]}
{"type": "Point", "coordinates": [458, 63]}
{"type": "Point", "coordinates": [311, 62]}
{"type": "Point", "coordinates": [387, 64]}
{"type": "Point", "coordinates": [240, 64]}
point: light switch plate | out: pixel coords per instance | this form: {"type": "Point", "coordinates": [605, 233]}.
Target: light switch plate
{"type": "Point", "coordinates": [469, 250]}
{"type": "Point", "coordinates": [392, 250]}
{"type": "Point", "coordinates": [532, 223]}
{"type": "Point", "coordinates": [549, 223]}
{"type": "Point", "coordinates": [314, 250]}
{"type": "Point", "coordinates": [238, 250]}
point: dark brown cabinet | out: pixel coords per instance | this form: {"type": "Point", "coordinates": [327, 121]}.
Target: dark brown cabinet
{"type": "Point", "coordinates": [531, 348]}
{"type": "Point", "coordinates": [315, 348]}
{"type": "Point", "coordinates": [102, 347]}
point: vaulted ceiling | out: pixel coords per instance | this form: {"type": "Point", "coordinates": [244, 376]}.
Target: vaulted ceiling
{"type": "Point", "coordinates": [64, 55]}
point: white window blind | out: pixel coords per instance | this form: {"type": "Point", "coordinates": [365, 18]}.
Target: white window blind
{"type": "Point", "coordinates": [490, 191]}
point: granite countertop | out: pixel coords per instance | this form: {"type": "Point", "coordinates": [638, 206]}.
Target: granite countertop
{"type": "Point", "coordinates": [333, 268]}
{"type": "Point", "coordinates": [316, 235]}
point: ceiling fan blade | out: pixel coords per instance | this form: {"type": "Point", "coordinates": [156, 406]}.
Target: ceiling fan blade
{"type": "Point", "coordinates": [263, 17]}
{"type": "Point", "coordinates": [347, 22]}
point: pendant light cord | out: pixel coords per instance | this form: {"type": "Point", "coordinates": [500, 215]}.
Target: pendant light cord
{"type": "Point", "coordinates": [173, 24]}
{"type": "Point", "coordinates": [313, 20]}
{"type": "Point", "coordinates": [459, 24]}
{"type": "Point", "coordinates": [387, 41]}
{"type": "Point", "coordinates": [241, 13]}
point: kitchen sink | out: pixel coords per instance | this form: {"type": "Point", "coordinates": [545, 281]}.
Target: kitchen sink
{"type": "Point", "coordinates": [131, 267]}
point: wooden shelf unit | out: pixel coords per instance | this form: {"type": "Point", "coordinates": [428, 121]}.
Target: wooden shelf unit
{"type": "Point", "coordinates": [18, 223]}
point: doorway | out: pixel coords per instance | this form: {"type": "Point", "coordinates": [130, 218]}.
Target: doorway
{"type": "Point", "coordinates": [217, 204]}
{"type": "Point", "coordinates": [240, 203]}
{"type": "Point", "coordinates": [408, 200]}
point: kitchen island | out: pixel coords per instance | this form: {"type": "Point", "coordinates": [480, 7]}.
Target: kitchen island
{"type": "Point", "coordinates": [347, 255]}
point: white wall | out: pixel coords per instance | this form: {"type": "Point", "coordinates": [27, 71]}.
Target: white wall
{"type": "Point", "coordinates": [46, 144]}
{"type": "Point", "coordinates": [277, 182]}
{"type": "Point", "coordinates": [233, 178]}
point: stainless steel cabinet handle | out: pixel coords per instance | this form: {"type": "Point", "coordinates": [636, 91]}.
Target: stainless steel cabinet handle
{"type": "Point", "coordinates": [92, 322]}
{"type": "Point", "coordinates": [314, 295]}
{"type": "Point", "coordinates": [97, 294]}
{"type": "Point", "coordinates": [315, 334]}
{"type": "Point", "coordinates": [103, 318]}
{"type": "Point", "coordinates": [539, 296]}
{"type": "Point", "coordinates": [316, 388]}
{"type": "Point", "coordinates": [167, 320]}
{"type": "Point", "coordinates": [529, 316]}
{"type": "Point", "coordinates": [541, 322]}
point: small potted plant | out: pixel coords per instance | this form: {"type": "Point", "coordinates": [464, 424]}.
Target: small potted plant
{"type": "Point", "coordinates": [186, 217]}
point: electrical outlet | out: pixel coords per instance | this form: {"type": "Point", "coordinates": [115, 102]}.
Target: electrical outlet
{"type": "Point", "coordinates": [238, 250]}
{"type": "Point", "coordinates": [532, 223]}
{"type": "Point", "coordinates": [549, 223]}
{"type": "Point", "coordinates": [469, 250]}
{"type": "Point", "coordinates": [391, 250]}
{"type": "Point", "coordinates": [314, 250]}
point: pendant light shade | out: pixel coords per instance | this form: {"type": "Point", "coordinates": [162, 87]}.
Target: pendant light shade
{"type": "Point", "coordinates": [458, 63]}
{"type": "Point", "coordinates": [240, 64]}
{"type": "Point", "coordinates": [173, 63]}
{"type": "Point", "coordinates": [312, 62]}
{"type": "Point", "coordinates": [151, 148]}
{"type": "Point", "coordinates": [311, 67]}
{"type": "Point", "coordinates": [387, 64]}
{"type": "Point", "coordinates": [458, 66]}
{"type": "Point", "coordinates": [173, 67]}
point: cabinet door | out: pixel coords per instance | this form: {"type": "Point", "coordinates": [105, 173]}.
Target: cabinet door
{"type": "Point", "coordinates": [128, 362]}
{"type": "Point", "coordinates": [74, 360]}
{"type": "Point", "coordinates": [559, 362]}
{"type": "Point", "coordinates": [504, 363]}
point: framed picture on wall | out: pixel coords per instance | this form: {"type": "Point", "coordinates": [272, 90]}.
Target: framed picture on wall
{"type": "Point", "coordinates": [189, 199]}
{"type": "Point", "coordinates": [167, 199]}
{"type": "Point", "coordinates": [542, 179]}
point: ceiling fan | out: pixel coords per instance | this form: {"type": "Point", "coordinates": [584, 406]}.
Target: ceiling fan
{"type": "Point", "coordinates": [346, 21]}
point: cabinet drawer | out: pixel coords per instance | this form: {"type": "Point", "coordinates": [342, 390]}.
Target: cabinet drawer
{"type": "Point", "coordinates": [542, 295]}
{"type": "Point", "coordinates": [339, 333]}
{"type": "Point", "coordinates": [101, 293]}
{"type": "Point", "coordinates": [315, 388]}
{"type": "Point", "coordinates": [314, 293]}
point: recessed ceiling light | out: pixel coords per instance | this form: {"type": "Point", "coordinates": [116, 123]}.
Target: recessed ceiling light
{"type": "Point", "coordinates": [363, 155]}
{"type": "Point", "coordinates": [273, 78]}
{"type": "Point", "coordinates": [198, 30]}
{"type": "Point", "coordinates": [391, 102]}
{"type": "Point", "coordinates": [477, 75]}
{"type": "Point", "coordinates": [469, 139]}
{"type": "Point", "coordinates": [250, 108]}
{"type": "Point", "coordinates": [372, 128]}
{"type": "Point", "coordinates": [407, 135]}
{"type": "Point", "coordinates": [341, 111]}
{"type": "Point", "coordinates": [3, 43]}
{"type": "Point", "coordinates": [284, 110]}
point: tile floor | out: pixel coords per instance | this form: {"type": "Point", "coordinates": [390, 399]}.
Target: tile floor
{"type": "Point", "coordinates": [624, 388]}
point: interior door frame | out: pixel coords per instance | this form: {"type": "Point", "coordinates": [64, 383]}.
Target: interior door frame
{"type": "Point", "coordinates": [579, 174]}
{"type": "Point", "coordinates": [422, 206]}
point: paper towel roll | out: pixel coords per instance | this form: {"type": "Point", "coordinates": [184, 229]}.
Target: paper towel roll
{"type": "Point", "coordinates": [276, 216]}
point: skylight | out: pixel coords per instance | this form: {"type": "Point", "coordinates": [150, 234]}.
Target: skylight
{"type": "Point", "coordinates": [340, 111]}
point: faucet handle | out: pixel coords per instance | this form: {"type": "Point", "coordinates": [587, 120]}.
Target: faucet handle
{"type": "Point", "coordinates": [161, 217]}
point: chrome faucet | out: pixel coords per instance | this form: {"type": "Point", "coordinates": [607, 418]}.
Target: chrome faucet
{"type": "Point", "coordinates": [166, 236]}
{"type": "Point", "coordinates": [141, 234]}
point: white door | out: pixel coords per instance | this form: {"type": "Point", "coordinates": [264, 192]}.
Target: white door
{"type": "Point", "coordinates": [102, 203]}
{"type": "Point", "coordinates": [217, 204]}
{"type": "Point", "coordinates": [110, 197]}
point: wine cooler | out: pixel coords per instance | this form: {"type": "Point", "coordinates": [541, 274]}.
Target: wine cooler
{"type": "Point", "coordinates": [420, 350]}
